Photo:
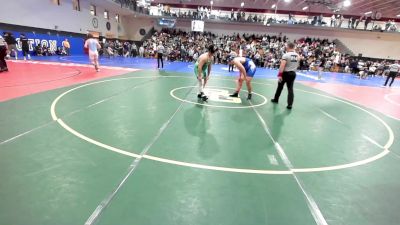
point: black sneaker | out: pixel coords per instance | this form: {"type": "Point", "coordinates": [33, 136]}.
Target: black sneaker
{"type": "Point", "coordinates": [289, 107]}
{"type": "Point", "coordinates": [274, 101]}
{"type": "Point", "coordinates": [249, 96]}
{"type": "Point", "coordinates": [204, 98]}
{"type": "Point", "coordinates": [200, 95]}
{"type": "Point", "coordinates": [234, 95]}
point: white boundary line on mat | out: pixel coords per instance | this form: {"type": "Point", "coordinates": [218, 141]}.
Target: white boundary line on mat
{"type": "Point", "coordinates": [225, 169]}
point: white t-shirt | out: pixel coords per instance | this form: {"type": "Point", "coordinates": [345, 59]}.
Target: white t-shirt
{"type": "Point", "coordinates": [92, 44]}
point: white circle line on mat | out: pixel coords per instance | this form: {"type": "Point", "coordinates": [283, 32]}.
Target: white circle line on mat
{"type": "Point", "coordinates": [217, 168]}
{"type": "Point", "coordinates": [172, 93]}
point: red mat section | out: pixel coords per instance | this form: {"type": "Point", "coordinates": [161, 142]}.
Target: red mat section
{"type": "Point", "coordinates": [385, 100]}
{"type": "Point", "coordinates": [25, 78]}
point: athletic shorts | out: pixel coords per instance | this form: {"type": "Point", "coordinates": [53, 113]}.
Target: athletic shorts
{"type": "Point", "coordinates": [251, 71]}
{"type": "Point", "coordinates": [196, 70]}
{"type": "Point", "coordinates": [93, 55]}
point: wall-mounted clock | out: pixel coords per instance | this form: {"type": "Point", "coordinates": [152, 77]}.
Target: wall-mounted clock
{"type": "Point", "coordinates": [108, 25]}
{"type": "Point", "coordinates": [95, 23]}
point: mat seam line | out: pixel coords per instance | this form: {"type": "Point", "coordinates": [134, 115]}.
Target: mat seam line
{"type": "Point", "coordinates": [93, 218]}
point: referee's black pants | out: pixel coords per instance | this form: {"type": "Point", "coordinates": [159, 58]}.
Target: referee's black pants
{"type": "Point", "coordinates": [230, 68]}
{"type": "Point", "coordinates": [160, 58]}
{"type": "Point", "coordinates": [391, 75]}
{"type": "Point", "coordinates": [288, 79]}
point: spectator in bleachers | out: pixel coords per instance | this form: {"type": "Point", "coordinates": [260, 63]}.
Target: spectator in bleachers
{"type": "Point", "coordinates": [67, 46]}
{"type": "Point", "coordinates": [368, 20]}
{"type": "Point", "coordinates": [60, 51]}
{"type": "Point", "coordinates": [333, 20]}
{"type": "Point", "coordinates": [39, 50]}
{"type": "Point", "coordinates": [358, 22]}
{"type": "Point", "coordinates": [339, 20]}
{"type": "Point", "coordinates": [134, 50]}
{"type": "Point", "coordinates": [141, 51]}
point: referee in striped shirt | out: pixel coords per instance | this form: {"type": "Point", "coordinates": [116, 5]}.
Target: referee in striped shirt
{"type": "Point", "coordinates": [393, 71]}
{"type": "Point", "coordinates": [287, 74]}
{"type": "Point", "coordinates": [160, 52]}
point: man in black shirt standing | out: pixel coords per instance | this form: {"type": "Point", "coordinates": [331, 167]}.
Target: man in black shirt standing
{"type": "Point", "coordinates": [11, 42]}
{"type": "Point", "coordinates": [25, 46]}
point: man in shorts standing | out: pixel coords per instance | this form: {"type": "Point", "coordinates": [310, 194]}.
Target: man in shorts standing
{"type": "Point", "coordinates": [93, 45]}
{"type": "Point", "coordinates": [202, 70]}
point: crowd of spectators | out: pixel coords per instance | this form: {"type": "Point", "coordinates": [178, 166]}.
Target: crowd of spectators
{"type": "Point", "coordinates": [365, 22]}
{"type": "Point", "coordinates": [41, 50]}
{"type": "Point", "coordinates": [265, 50]}
{"type": "Point", "coordinates": [134, 5]}
{"type": "Point", "coordinates": [364, 68]}
{"type": "Point", "coordinates": [112, 48]}
{"type": "Point", "coordinates": [336, 20]}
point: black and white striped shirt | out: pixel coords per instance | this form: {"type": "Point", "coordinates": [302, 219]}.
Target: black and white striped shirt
{"type": "Point", "coordinates": [160, 49]}
{"type": "Point", "coordinates": [394, 68]}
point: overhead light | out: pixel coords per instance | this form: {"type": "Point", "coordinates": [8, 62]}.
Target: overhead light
{"type": "Point", "coordinates": [367, 13]}
{"type": "Point", "coordinates": [242, 4]}
{"type": "Point", "coordinates": [273, 6]}
{"type": "Point", "coordinates": [305, 8]}
{"type": "Point", "coordinates": [398, 15]}
{"type": "Point", "coordinates": [287, 1]}
{"type": "Point", "coordinates": [346, 3]}
{"type": "Point", "coordinates": [212, 2]}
